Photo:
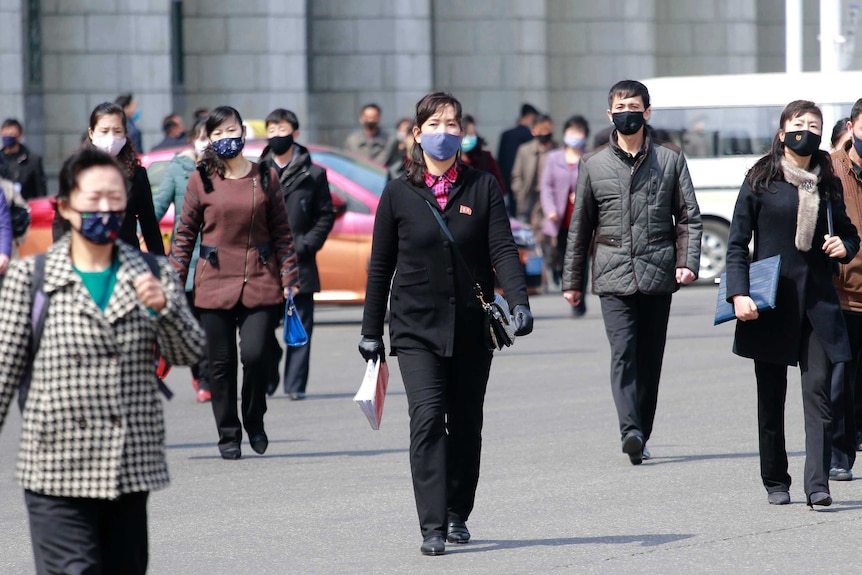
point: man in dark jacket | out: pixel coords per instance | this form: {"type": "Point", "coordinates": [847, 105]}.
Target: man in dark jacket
{"type": "Point", "coordinates": [309, 210]}
{"type": "Point", "coordinates": [175, 133]}
{"type": "Point", "coordinates": [25, 167]}
{"type": "Point", "coordinates": [510, 141]}
{"type": "Point", "coordinates": [133, 113]}
{"type": "Point", "coordinates": [636, 204]}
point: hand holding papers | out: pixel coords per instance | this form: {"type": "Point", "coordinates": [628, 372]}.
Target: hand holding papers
{"type": "Point", "coordinates": [372, 392]}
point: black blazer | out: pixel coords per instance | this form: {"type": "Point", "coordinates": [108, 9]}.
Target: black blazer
{"type": "Point", "coordinates": [805, 280]}
{"type": "Point", "coordinates": [432, 304]}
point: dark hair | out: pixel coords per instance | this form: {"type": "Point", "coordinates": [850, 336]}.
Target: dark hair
{"type": "Point", "coordinates": [128, 156]}
{"type": "Point", "coordinates": [12, 123]}
{"type": "Point", "coordinates": [169, 122]}
{"type": "Point", "coordinates": [578, 121]}
{"type": "Point", "coordinates": [81, 160]}
{"type": "Point", "coordinates": [123, 100]}
{"type": "Point", "coordinates": [403, 121]}
{"type": "Point", "coordinates": [210, 162]}
{"type": "Point", "coordinates": [541, 119]}
{"type": "Point", "coordinates": [281, 115]}
{"type": "Point", "coordinates": [840, 128]}
{"type": "Point", "coordinates": [200, 124]}
{"type": "Point", "coordinates": [628, 89]}
{"type": "Point", "coordinates": [480, 141]}
{"type": "Point", "coordinates": [768, 168]}
{"type": "Point", "coordinates": [528, 110]}
{"type": "Point", "coordinates": [429, 105]}
{"type": "Point", "coordinates": [856, 110]}
{"type": "Point", "coordinates": [201, 113]}
{"type": "Point", "coordinates": [372, 105]}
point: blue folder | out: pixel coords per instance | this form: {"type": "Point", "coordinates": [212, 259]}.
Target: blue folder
{"type": "Point", "coordinates": [762, 288]}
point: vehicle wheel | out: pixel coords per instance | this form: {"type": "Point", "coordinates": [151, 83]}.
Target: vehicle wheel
{"type": "Point", "coordinates": [713, 249]}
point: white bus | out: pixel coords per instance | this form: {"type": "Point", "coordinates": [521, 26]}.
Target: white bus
{"type": "Point", "coordinates": [725, 123]}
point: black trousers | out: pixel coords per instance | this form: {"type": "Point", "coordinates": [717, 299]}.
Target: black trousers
{"type": "Point", "coordinates": [636, 326]}
{"type": "Point", "coordinates": [845, 395]}
{"type": "Point", "coordinates": [816, 406]}
{"type": "Point", "coordinates": [78, 536]}
{"type": "Point", "coordinates": [445, 396]}
{"type": "Point", "coordinates": [256, 326]}
{"type": "Point", "coordinates": [201, 369]}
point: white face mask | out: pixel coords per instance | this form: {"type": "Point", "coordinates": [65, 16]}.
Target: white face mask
{"type": "Point", "coordinates": [200, 146]}
{"type": "Point", "coordinates": [110, 144]}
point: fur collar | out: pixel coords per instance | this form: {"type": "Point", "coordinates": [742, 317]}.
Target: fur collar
{"type": "Point", "coordinates": [809, 201]}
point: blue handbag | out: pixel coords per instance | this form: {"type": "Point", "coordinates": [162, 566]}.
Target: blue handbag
{"type": "Point", "coordinates": [294, 333]}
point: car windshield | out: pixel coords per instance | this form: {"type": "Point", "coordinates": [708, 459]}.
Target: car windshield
{"type": "Point", "coordinates": [369, 176]}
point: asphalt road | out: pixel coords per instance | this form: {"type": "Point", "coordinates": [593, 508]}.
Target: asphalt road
{"type": "Point", "coordinates": [556, 495]}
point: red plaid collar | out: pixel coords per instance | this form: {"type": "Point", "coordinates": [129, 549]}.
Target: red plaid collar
{"type": "Point", "coordinates": [449, 175]}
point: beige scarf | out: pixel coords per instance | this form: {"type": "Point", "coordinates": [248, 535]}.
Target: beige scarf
{"type": "Point", "coordinates": [809, 201]}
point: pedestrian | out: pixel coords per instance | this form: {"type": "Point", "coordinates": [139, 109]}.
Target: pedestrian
{"type": "Point", "coordinates": [473, 152]}
{"type": "Point", "coordinates": [5, 235]}
{"type": "Point", "coordinates": [25, 167]}
{"type": "Point", "coordinates": [403, 131]}
{"type": "Point", "coordinates": [371, 141]}
{"type": "Point", "coordinates": [840, 135]}
{"type": "Point", "coordinates": [309, 211]}
{"type": "Point", "coordinates": [846, 387]}
{"type": "Point", "coordinates": [107, 132]}
{"type": "Point", "coordinates": [526, 181]}
{"type": "Point", "coordinates": [92, 438]}
{"type": "Point", "coordinates": [786, 202]}
{"type": "Point", "coordinates": [557, 195]}
{"type": "Point", "coordinates": [510, 141]}
{"type": "Point", "coordinates": [172, 190]}
{"type": "Point", "coordinates": [133, 113]}
{"type": "Point", "coordinates": [175, 133]}
{"type": "Point", "coordinates": [435, 322]}
{"type": "Point", "coordinates": [247, 267]}
{"type": "Point", "coordinates": [643, 186]}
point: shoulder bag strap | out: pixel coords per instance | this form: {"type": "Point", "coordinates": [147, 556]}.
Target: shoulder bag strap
{"type": "Point", "coordinates": [38, 312]}
{"type": "Point", "coordinates": [477, 289]}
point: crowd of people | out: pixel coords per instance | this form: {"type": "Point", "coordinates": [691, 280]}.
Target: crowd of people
{"type": "Point", "coordinates": [246, 240]}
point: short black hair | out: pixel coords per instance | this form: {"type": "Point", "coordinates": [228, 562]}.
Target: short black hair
{"type": "Point", "coordinates": [201, 113]}
{"type": "Point", "coordinates": [80, 160]}
{"type": "Point", "coordinates": [541, 118]}
{"type": "Point", "coordinates": [856, 110]}
{"type": "Point", "coordinates": [628, 89]}
{"type": "Point", "coordinates": [372, 105]}
{"type": "Point", "coordinates": [123, 100]}
{"type": "Point", "coordinates": [169, 122]}
{"type": "Point", "coordinates": [528, 110]}
{"type": "Point", "coordinates": [281, 115]}
{"type": "Point", "coordinates": [12, 123]}
{"type": "Point", "coordinates": [841, 126]}
{"type": "Point", "coordinates": [578, 121]}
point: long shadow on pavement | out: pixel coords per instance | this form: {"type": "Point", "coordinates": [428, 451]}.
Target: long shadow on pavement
{"type": "Point", "coordinates": [366, 453]}
{"type": "Point", "coordinates": [689, 458]}
{"type": "Point", "coordinates": [646, 540]}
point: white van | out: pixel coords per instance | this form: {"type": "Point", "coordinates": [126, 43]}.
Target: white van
{"type": "Point", "coordinates": [726, 123]}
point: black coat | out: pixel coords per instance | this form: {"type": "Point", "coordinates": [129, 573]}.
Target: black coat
{"type": "Point", "coordinates": [309, 211]}
{"type": "Point", "coordinates": [432, 305]}
{"type": "Point", "coordinates": [805, 279]}
{"type": "Point", "coordinates": [25, 167]}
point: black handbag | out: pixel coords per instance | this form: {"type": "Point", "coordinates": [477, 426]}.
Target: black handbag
{"type": "Point", "coordinates": [498, 329]}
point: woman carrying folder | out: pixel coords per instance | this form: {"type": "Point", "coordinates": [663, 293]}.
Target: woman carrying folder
{"type": "Point", "coordinates": [435, 321]}
{"type": "Point", "coordinates": [791, 202]}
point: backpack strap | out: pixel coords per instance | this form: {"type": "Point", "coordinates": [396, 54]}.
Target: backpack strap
{"type": "Point", "coordinates": [38, 313]}
{"type": "Point", "coordinates": [153, 263]}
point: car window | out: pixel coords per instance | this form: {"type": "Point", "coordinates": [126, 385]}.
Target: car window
{"type": "Point", "coordinates": [156, 173]}
{"type": "Point", "coordinates": [351, 204]}
{"type": "Point", "coordinates": [368, 176]}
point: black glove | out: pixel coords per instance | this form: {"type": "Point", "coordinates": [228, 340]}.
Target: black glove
{"type": "Point", "coordinates": [522, 319]}
{"type": "Point", "coordinates": [371, 348]}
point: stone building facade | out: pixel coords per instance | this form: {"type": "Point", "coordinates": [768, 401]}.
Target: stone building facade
{"type": "Point", "coordinates": [325, 58]}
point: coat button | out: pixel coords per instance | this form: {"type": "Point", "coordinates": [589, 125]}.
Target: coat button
{"type": "Point", "coordinates": [445, 243]}
{"type": "Point", "coordinates": [117, 420]}
{"type": "Point", "coordinates": [452, 301]}
{"type": "Point", "coordinates": [82, 423]}
{"type": "Point", "coordinates": [115, 359]}
{"type": "Point", "coordinates": [449, 271]}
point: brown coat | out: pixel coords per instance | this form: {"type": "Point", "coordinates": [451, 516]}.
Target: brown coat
{"type": "Point", "coordinates": [526, 180]}
{"type": "Point", "coordinates": [246, 253]}
{"type": "Point", "coordinates": [849, 281]}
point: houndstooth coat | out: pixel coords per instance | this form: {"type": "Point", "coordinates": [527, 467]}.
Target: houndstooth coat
{"type": "Point", "coordinates": [93, 424]}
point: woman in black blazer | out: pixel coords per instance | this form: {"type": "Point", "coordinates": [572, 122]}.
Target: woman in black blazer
{"type": "Point", "coordinates": [436, 322]}
{"type": "Point", "coordinates": [785, 203]}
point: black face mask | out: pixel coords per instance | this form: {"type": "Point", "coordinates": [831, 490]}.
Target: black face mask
{"type": "Point", "coordinates": [628, 123]}
{"type": "Point", "coordinates": [371, 126]}
{"type": "Point", "coordinates": [544, 138]}
{"type": "Point", "coordinates": [281, 144]}
{"type": "Point", "coordinates": [803, 142]}
{"type": "Point", "coordinates": [857, 144]}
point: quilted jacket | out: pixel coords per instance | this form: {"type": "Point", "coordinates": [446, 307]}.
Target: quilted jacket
{"type": "Point", "coordinates": [93, 424]}
{"type": "Point", "coordinates": [642, 215]}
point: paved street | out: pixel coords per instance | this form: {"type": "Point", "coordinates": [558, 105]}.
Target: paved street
{"type": "Point", "coordinates": [556, 494]}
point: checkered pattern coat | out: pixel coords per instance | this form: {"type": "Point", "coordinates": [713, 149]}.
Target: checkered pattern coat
{"type": "Point", "coordinates": [93, 424]}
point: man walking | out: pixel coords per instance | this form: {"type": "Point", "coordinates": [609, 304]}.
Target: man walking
{"type": "Point", "coordinates": [309, 209]}
{"type": "Point", "coordinates": [372, 142]}
{"type": "Point", "coordinates": [636, 203]}
{"type": "Point", "coordinates": [24, 167]}
{"type": "Point", "coordinates": [510, 141]}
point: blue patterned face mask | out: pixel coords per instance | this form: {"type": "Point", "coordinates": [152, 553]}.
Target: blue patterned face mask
{"type": "Point", "coordinates": [228, 148]}
{"type": "Point", "coordinates": [101, 227]}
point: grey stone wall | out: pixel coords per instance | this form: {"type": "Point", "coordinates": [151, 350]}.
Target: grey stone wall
{"type": "Point", "coordinates": [12, 61]}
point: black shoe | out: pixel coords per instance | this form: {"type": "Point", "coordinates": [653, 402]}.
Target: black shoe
{"type": "Point", "coordinates": [778, 498]}
{"type": "Point", "coordinates": [820, 498]}
{"type": "Point", "coordinates": [646, 454]}
{"type": "Point", "coordinates": [296, 395]}
{"type": "Point", "coordinates": [259, 442]}
{"type": "Point", "coordinates": [433, 546]}
{"type": "Point", "coordinates": [840, 474]}
{"type": "Point", "coordinates": [859, 441]}
{"type": "Point", "coordinates": [457, 532]}
{"type": "Point", "coordinates": [231, 453]}
{"type": "Point", "coordinates": [271, 388]}
{"type": "Point", "coordinates": [633, 446]}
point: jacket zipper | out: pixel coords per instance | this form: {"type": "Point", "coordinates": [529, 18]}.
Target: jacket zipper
{"type": "Point", "coordinates": [636, 165]}
{"type": "Point", "coordinates": [250, 229]}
